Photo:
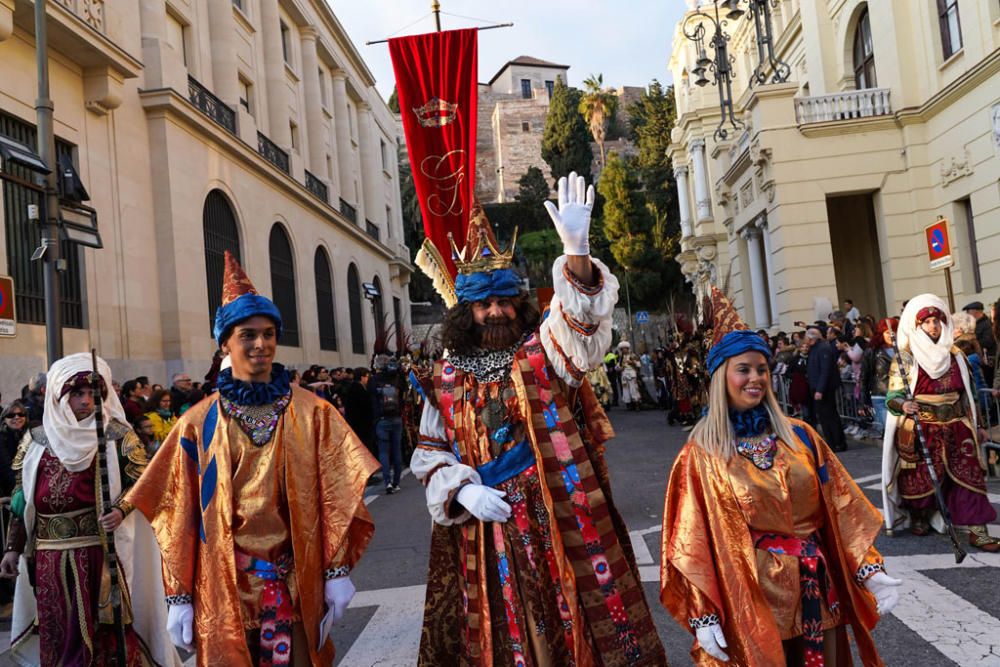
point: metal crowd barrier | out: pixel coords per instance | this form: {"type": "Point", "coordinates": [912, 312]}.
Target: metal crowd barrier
{"type": "Point", "coordinates": [989, 419]}
{"type": "Point", "coordinates": [848, 405]}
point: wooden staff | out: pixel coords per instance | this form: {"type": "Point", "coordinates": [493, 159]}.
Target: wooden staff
{"type": "Point", "coordinates": [103, 504]}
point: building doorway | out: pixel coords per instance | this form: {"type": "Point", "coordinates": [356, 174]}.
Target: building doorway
{"type": "Point", "coordinates": [857, 262]}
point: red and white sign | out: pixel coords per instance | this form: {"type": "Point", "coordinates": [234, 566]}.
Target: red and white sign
{"type": "Point", "coordinates": [8, 316]}
{"type": "Point", "coordinates": [938, 245]}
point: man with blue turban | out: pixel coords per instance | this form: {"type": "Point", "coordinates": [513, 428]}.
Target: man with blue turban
{"type": "Point", "coordinates": [527, 558]}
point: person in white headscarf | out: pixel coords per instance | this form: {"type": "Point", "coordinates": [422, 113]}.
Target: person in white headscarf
{"type": "Point", "coordinates": [55, 540]}
{"type": "Point", "coordinates": [943, 392]}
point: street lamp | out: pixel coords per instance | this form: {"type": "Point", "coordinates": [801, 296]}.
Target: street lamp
{"type": "Point", "coordinates": [760, 14]}
{"type": "Point", "coordinates": [721, 65]}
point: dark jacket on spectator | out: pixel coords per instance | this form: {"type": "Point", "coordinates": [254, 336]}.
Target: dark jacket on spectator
{"type": "Point", "coordinates": [359, 412]}
{"type": "Point", "coordinates": [984, 334]}
{"type": "Point", "coordinates": [133, 410]}
{"type": "Point", "coordinates": [9, 440]}
{"type": "Point", "coordinates": [821, 369]}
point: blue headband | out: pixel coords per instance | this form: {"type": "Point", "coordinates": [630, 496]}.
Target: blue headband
{"type": "Point", "coordinates": [735, 343]}
{"type": "Point", "coordinates": [479, 286]}
{"type": "Point", "coordinates": [243, 308]}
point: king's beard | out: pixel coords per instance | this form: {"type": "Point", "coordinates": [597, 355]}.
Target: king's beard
{"type": "Point", "coordinates": [499, 333]}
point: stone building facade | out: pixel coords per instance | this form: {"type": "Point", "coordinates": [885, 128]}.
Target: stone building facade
{"type": "Point", "coordinates": [200, 126]}
{"type": "Point", "coordinates": [890, 119]}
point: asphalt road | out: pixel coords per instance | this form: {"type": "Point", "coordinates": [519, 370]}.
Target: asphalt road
{"type": "Point", "coordinates": [948, 615]}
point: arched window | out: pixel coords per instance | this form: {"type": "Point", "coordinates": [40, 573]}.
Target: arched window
{"type": "Point", "coordinates": [283, 284]}
{"type": "Point", "coordinates": [325, 302]}
{"type": "Point", "coordinates": [864, 54]}
{"type": "Point", "coordinates": [354, 301]}
{"type": "Point", "coordinates": [221, 234]}
{"type": "Point", "coordinates": [378, 304]}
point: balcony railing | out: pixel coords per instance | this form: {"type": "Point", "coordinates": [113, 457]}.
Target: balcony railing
{"type": "Point", "coordinates": [210, 105]}
{"type": "Point", "coordinates": [848, 105]}
{"type": "Point", "coordinates": [270, 151]}
{"type": "Point", "coordinates": [349, 211]}
{"type": "Point", "coordinates": [317, 187]}
{"type": "Point", "coordinates": [372, 230]}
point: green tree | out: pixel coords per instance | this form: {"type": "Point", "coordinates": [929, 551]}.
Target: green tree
{"type": "Point", "coordinates": [631, 229]}
{"type": "Point", "coordinates": [532, 188]}
{"type": "Point", "coordinates": [393, 102]}
{"type": "Point", "coordinates": [653, 118]}
{"type": "Point", "coordinates": [566, 141]}
{"type": "Point", "coordinates": [598, 105]}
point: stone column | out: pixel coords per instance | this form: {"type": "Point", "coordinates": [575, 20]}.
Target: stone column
{"type": "Point", "coordinates": [702, 199]}
{"type": "Point", "coordinates": [765, 233]}
{"type": "Point", "coordinates": [371, 170]}
{"type": "Point", "coordinates": [752, 235]}
{"type": "Point", "coordinates": [315, 140]}
{"type": "Point", "coordinates": [681, 176]}
{"type": "Point", "coordinates": [222, 29]}
{"type": "Point", "coordinates": [342, 134]}
{"type": "Point", "coordinates": [276, 87]}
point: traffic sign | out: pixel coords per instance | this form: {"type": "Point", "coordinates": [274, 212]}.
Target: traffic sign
{"type": "Point", "coordinates": [8, 316]}
{"type": "Point", "coordinates": [938, 245]}
{"type": "Point", "coordinates": [642, 317]}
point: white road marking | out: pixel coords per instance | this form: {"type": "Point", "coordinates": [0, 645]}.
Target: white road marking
{"type": "Point", "coordinates": [375, 496]}
{"type": "Point", "coordinates": [392, 636]}
{"type": "Point", "coordinates": [867, 478]}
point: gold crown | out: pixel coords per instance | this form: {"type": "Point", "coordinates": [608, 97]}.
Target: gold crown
{"type": "Point", "coordinates": [436, 113]}
{"type": "Point", "coordinates": [481, 252]}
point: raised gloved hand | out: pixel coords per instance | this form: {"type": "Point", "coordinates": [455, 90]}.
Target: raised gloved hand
{"type": "Point", "coordinates": [886, 591]}
{"type": "Point", "coordinates": [338, 593]}
{"type": "Point", "coordinates": [484, 502]}
{"type": "Point", "coordinates": [572, 218]}
{"type": "Point", "coordinates": [713, 641]}
{"type": "Point", "coordinates": [180, 625]}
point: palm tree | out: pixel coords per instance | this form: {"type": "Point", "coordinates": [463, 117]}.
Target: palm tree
{"type": "Point", "coordinates": [598, 105]}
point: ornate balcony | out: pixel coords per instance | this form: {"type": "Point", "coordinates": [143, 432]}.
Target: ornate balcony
{"type": "Point", "coordinates": [211, 106]}
{"type": "Point", "coordinates": [317, 187]}
{"type": "Point", "coordinates": [849, 105]}
{"type": "Point", "coordinates": [91, 11]}
{"type": "Point", "coordinates": [372, 229]}
{"type": "Point", "coordinates": [348, 211]}
{"type": "Point", "coordinates": [270, 151]}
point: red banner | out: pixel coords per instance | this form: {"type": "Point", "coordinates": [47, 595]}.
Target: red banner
{"type": "Point", "coordinates": [436, 84]}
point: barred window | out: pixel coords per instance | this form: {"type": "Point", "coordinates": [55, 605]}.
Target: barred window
{"type": "Point", "coordinates": [325, 301]}
{"type": "Point", "coordinates": [221, 233]}
{"type": "Point", "coordinates": [23, 236]}
{"type": "Point", "coordinates": [354, 301]}
{"type": "Point", "coordinates": [283, 284]}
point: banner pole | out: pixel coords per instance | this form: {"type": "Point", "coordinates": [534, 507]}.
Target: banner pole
{"type": "Point", "coordinates": [436, 8]}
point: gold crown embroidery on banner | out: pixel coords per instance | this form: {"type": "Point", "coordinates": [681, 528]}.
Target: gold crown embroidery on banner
{"type": "Point", "coordinates": [436, 113]}
{"type": "Point", "coordinates": [481, 252]}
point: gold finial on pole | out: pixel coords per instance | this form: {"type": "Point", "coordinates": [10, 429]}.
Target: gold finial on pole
{"type": "Point", "coordinates": [436, 8]}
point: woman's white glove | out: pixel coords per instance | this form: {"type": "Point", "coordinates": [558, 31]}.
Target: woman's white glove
{"type": "Point", "coordinates": [712, 641]}
{"type": "Point", "coordinates": [886, 591]}
{"type": "Point", "coordinates": [484, 502]}
{"type": "Point", "coordinates": [572, 218]}
{"type": "Point", "coordinates": [338, 593]}
{"type": "Point", "coordinates": [180, 625]}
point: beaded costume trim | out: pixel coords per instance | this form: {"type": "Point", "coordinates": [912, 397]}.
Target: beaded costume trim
{"type": "Point", "coordinates": [257, 421]}
{"type": "Point", "coordinates": [703, 621]}
{"type": "Point", "coordinates": [759, 450]}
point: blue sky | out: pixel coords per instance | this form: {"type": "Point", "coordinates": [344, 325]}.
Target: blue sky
{"type": "Point", "coordinates": [627, 40]}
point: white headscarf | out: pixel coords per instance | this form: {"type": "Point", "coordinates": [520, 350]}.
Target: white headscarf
{"type": "Point", "coordinates": [934, 358]}
{"type": "Point", "coordinates": [75, 442]}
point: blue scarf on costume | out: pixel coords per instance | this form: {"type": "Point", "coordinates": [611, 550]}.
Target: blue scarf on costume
{"type": "Point", "coordinates": [751, 423]}
{"type": "Point", "coordinates": [255, 393]}
{"type": "Point", "coordinates": [480, 286]}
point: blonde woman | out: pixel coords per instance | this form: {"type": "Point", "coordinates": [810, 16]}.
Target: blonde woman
{"type": "Point", "coordinates": [767, 542]}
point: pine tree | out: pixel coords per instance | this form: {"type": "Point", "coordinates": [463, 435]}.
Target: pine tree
{"type": "Point", "coordinates": [566, 140]}
{"type": "Point", "coordinates": [532, 188]}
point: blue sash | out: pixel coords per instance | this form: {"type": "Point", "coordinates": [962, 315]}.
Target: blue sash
{"type": "Point", "coordinates": [509, 464]}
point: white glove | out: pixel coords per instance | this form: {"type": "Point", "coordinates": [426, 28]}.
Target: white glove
{"type": "Point", "coordinates": [484, 503]}
{"type": "Point", "coordinates": [338, 593]}
{"type": "Point", "coordinates": [713, 641]}
{"type": "Point", "coordinates": [180, 622]}
{"type": "Point", "coordinates": [572, 218]}
{"type": "Point", "coordinates": [886, 591]}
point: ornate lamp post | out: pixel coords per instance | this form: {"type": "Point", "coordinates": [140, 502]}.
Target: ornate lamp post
{"type": "Point", "coordinates": [760, 15]}
{"type": "Point", "coordinates": [721, 65]}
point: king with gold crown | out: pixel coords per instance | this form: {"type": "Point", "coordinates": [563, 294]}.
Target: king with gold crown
{"type": "Point", "coordinates": [530, 561]}
{"type": "Point", "coordinates": [256, 499]}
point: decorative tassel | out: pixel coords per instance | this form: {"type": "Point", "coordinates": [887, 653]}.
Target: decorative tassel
{"type": "Point", "coordinates": [429, 261]}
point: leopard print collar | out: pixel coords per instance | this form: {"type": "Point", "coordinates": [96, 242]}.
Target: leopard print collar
{"type": "Point", "coordinates": [488, 365]}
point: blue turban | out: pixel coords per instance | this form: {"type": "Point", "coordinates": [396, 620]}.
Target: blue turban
{"type": "Point", "coordinates": [243, 308]}
{"type": "Point", "coordinates": [472, 287]}
{"type": "Point", "coordinates": [733, 344]}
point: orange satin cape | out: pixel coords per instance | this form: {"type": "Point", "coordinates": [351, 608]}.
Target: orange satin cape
{"type": "Point", "coordinates": [325, 470]}
{"type": "Point", "coordinates": [708, 555]}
